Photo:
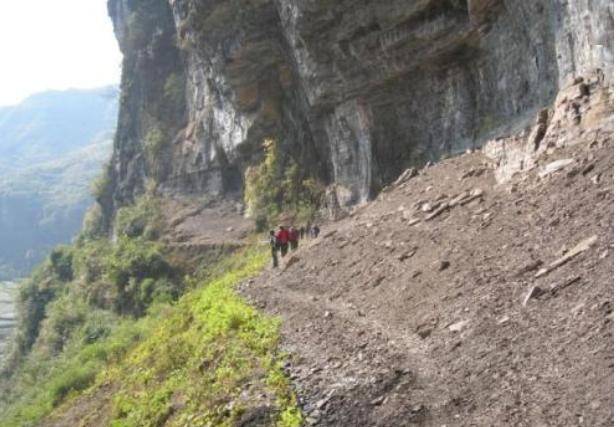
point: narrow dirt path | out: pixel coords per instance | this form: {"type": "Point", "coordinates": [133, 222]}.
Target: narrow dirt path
{"type": "Point", "coordinates": [352, 359]}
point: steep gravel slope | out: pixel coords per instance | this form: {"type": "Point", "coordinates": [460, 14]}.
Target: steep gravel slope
{"type": "Point", "coordinates": [395, 318]}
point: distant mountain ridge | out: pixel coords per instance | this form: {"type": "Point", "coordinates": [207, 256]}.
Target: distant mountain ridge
{"type": "Point", "coordinates": [52, 145]}
{"type": "Point", "coordinates": [38, 130]}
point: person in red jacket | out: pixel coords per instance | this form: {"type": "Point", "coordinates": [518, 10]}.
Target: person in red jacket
{"type": "Point", "coordinates": [293, 238]}
{"type": "Point", "coordinates": [282, 235]}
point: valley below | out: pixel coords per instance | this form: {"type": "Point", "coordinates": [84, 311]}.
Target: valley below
{"type": "Point", "coordinates": [7, 315]}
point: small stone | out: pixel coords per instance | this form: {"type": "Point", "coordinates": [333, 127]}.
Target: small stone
{"type": "Point", "coordinates": [455, 345]}
{"type": "Point", "coordinates": [311, 421]}
{"type": "Point", "coordinates": [531, 266]}
{"type": "Point", "coordinates": [477, 192]}
{"type": "Point", "coordinates": [230, 229]}
{"type": "Point", "coordinates": [321, 403]}
{"type": "Point", "coordinates": [604, 254]}
{"type": "Point", "coordinates": [413, 222]}
{"type": "Point", "coordinates": [378, 281]}
{"type": "Point", "coordinates": [458, 326]}
{"type": "Point", "coordinates": [417, 408]}
{"type": "Point", "coordinates": [503, 320]}
{"type": "Point", "coordinates": [328, 315]}
{"type": "Point", "coordinates": [596, 179]}
{"type": "Point", "coordinates": [443, 265]}
{"type": "Point", "coordinates": [534, 292]}
{"type": "Point", "coordinates": [555, 167]}
{"type": "Point", "coordinates": [583, 246]}
{"type": "Point", "coordinates": [378, 401]}
{"type": "Point", "coordinates": [424, 331]}
{"type": "Point", "coordinates": [406, 255]}
{"type": "Point", "coordinates": [405, 176]}
{"type": "Point", "coordinates": [428, 207]}
{"type": "Point", "coordinates": [458, 199]}
{"type": "Point", "coordinates": [588, 168]}
{"type": "Point", "coordinates": [467, 174]}
{"type": "Point", "coordinates": [560, 286]}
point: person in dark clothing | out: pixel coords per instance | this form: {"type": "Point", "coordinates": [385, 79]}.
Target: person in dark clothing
{"type": "Point", "coordinates": [293, 238]}
{"type": "Point", "coordinates": [315, 231]}
{"type": "Point", "coordinates": [283, 239]}
{"type": "Point", "coordinates": [302, 231]}
{"type": "Point", "coordinates": [274, 245]}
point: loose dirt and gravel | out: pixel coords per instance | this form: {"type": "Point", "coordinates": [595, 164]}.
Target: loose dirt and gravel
{"type": "Point", "coordinates": [412, 313]}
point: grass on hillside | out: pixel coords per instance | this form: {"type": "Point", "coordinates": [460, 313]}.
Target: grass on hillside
{"type": "Point", "coordinates": [43, 383]}
{"type": "Point", "coordinates": [209, 359]}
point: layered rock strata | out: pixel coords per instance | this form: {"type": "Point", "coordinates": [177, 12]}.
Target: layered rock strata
{"type": "Point", "coordinates": [355, 91]}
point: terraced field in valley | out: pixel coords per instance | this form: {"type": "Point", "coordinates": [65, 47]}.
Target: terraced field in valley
{"type": "Point", "coordinates": [7, 314]}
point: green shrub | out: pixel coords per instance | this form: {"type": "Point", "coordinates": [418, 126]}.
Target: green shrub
{"type": "Point", "coordinates": [271, 189]}
{"type": "Point", "coordinates": [174, 91]}
{"type": "Point", "coordinates": [90, 260]}
{"type": "Point", "coordinates": [93, 224]}
{"type": "Point", "coordinates": [101, 186]}
{"type": "Point", "coordinates": [75, 378]}
{"type": "Point", "coordinates": [143, 218]}
{"type": "Point", "coordinates": [34, 295]}
{"type": "Point", "coordinates": [63, 316]}
{"type": "Point", "coordinates": [96, 326]}
{"type": "Point", "coordinates": [61, 259]}
{"type": "Point", "coordinates": [154, 144]}
{"type": "Point", "coordinates": [132, 262]}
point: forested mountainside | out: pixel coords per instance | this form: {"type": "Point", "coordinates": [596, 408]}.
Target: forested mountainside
{"type": "Point", "coordinates": [459, 157]}
{"type": "Point", "coordinates": [52, 146]}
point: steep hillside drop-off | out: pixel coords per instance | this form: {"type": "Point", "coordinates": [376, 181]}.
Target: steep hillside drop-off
{"type": "Point", "coordinates": [355, 91]}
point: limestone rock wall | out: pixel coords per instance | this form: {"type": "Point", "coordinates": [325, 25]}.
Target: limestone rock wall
{"type": "Point", "coordinates": [355, 91]}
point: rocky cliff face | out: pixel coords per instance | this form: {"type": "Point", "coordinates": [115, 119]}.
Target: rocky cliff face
{"type": "Point", "coordinates": [355, 91]}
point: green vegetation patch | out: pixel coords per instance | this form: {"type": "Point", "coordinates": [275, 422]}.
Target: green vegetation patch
{"type": "Point", "coordinates": [42, 383]}
{"type": "Point", "coordinates": [276, 188]}
{"type": "Point", "coordinates": [207, 359]}
{"type": "Point", "coordinates": [212, 361]}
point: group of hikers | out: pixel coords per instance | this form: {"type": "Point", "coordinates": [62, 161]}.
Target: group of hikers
{"type": "Point", "coordinates": [288, 238]}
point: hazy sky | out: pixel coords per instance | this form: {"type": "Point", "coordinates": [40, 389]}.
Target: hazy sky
{"type": "Point", "coordinates": [55, 44]}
